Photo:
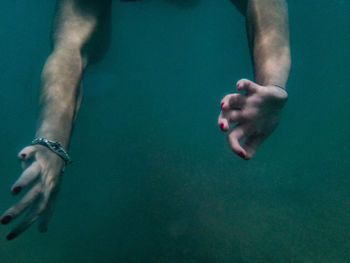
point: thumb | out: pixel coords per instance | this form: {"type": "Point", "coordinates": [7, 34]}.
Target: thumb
{"type": "Point", "coordinates": [247, 85]}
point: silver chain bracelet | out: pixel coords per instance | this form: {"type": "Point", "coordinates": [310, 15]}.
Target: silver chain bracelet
{"type": "Point", "coordinates": [56, 147]}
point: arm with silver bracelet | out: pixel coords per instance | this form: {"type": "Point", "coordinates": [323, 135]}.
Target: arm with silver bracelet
{"type": "Point", "coordinates": [54, 146]}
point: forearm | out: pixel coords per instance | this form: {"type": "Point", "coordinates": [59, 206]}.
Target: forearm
{"type": "Point", "coordinates": [268, 34]}
{"type": "Point", "coordinates": [60, 95]}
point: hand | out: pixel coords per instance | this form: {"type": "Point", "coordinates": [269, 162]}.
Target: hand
{"type": "Point", "coordinates": [256, 113]}
{"type": "Point", "coordinates": [42, 172]}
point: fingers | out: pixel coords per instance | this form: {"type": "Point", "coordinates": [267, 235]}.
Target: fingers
{"type": "Point", "coordinates": [28, 220]}
{"type": "Point", "coordinates": [26, 156]}
{"type": "Point", "coordinates": [28, 176]}
{"type": "Point", "coordinates": [230, 105]}
{"type": "Point", "coordinates": [47, 213]}
{"type": "Point", "coordinates": [26, 153]}
{"type": "Point", "coordinates": [22, 205]}
{"type": "Point", "coordinates": [247, 85]}
{"type": "Point", "coordinates": [235, 116]}
{"type": "Point", "coordinates": [246, 110]}
{"type": "Point", "coordinates": [38, 206]}
{"type": "Point", "coordinates": [226, 117]}
{"type": "Point", "coordinates": [233, 101]}
{"type": "Point", "coordinates": [229, 117]}
{"type": "Point", "coordinates": [251, 144]}
{"type": "Point", "coordinates": [234, 138]}
{"type": "Point", "coordinates": [40, 196]}
{"type": "Point", "coordinates": [223, 121]}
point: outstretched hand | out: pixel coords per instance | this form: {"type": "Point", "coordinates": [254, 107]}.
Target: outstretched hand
{"type": "Point", "coordinates": [41, 176]}
{"type": "Point", "coordinates": [255, 112]}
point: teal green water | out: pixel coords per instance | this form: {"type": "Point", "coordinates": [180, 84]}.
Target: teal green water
{"type": "Point", "coordinates": [153, 178]}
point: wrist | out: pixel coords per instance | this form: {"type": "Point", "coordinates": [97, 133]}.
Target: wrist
{"type": "Point", "coordinates": [55, 147]}
{"type": "Point", "coordinates": [55, 130]}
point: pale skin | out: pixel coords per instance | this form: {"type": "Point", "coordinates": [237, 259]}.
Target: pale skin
{"type": "Point", "coordinates": [256, 113]}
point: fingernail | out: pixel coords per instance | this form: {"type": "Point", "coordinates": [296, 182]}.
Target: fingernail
{"type": "Point", "coordinates": [23, 155]}
{"type": "Point", "coordinates": [222, 126]}
{"type": "Point", "coordinates": [6, 219]}
{"type": "Point", "coordinates": [11, 236]}
{"type": "Point", "coordinates": [16, 189]}
{"type": "Point", "coordinates": [242, 155]}
{"type": "Point", "coordinates": [222, 105]}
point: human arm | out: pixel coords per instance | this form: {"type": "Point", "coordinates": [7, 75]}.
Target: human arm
{"type": "Point", "coordinates": [257, 111]}
{"type": "Point", "coordinates": [59, 103]}
{"type": "Point", "coordinates": [60, 97]}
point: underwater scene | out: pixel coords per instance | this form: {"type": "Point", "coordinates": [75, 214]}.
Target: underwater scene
{"type": "Point", "coordinates": [153, 178]}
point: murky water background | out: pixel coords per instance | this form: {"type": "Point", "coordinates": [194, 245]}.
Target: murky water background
{"type": "Point", "coordinates": [153, 178]}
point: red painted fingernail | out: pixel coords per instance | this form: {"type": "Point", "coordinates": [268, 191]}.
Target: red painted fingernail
{"type": "Point", "coordinates": [242, 155]}
{"type": "Point", "coordinates": [222, 105]}
{"type": "Point", "coordinates": [23, 155]}
{"type": "Point", "coordinates": [11, 236]}
{"type": "Point", "coordinates": [222, 126]}
{"type": "Point", "coordinates": [16, 189]}
{"type": "Point", "coordinates": [6, 219]}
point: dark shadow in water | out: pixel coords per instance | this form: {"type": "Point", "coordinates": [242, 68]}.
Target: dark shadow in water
{"type": "Point", "coordinates": [184, 3]}
{"type": "Point", "coordinates": [99, 42]}
{"type": "Point", "coordinates": [241, 5]}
